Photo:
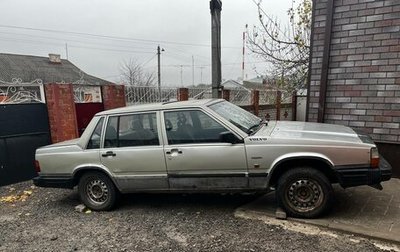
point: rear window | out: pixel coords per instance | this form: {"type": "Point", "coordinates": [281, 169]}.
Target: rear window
{"type": "Point", "coordinates": [94, 142]}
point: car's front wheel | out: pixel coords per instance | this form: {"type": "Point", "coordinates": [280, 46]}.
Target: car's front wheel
{"type": "Point", "coordinates": [97, 191]}
{"type": "Point", "coordinates": [304, 192]}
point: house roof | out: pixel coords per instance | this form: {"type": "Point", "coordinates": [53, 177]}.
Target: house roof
{"type": "Point", "coordinates": [258, 80]}
{"type": "Point", "coordinates": [28, 68]}
{"type": "Point", "coordinates": [232, 84]}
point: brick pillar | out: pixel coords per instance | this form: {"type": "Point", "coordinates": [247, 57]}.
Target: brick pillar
{"type": "Point", "coordinates": [226, 93]}
{"type": "Point", "coordinates": [183, 94]}
{"type": "Point", "coordinates": [278, 105]}
{"type": "Point", "coordinates": [61, 110]}
{"type": "Point", "coordinates": [255, 101]}
{"type": "Point", "coordinates": [113, 96]}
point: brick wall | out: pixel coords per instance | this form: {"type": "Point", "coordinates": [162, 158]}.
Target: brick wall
{"type": "Point", "coordinates": [113, 96]}
{"type": "Point", "coordinates": [182, 94]}
{"type": "Point", "coordinates": [363, 79]}
{"type": "Point", "coordinates": [61, 110]}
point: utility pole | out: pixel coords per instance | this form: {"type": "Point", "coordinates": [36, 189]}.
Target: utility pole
{"type": "Point", "coordinates": [243, 53]}
{"type": "Point", "coordinates": [192, 70]}
{"type": "Point", "coordinates": [159, 70]}
{"type": "Point", "coordinates": [181, 71]}
{"type": "Point", "coordinates": [215, 8]}
{"type": "Point", "coordinates": [201, 74]}
{"type": "Point", "coordinates": [66, 49]}
{"type": "Point", "coordinates": [181, 75]}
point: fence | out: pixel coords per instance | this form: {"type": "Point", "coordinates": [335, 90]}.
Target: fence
{"type": "Point", "coordinates": [269, 104]}
{"type": "Point", "coordinates": [140, 95]}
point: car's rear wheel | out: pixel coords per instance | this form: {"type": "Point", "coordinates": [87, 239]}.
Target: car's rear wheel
{"type": "Point", "coordinates": [97, 191]}
{"type": "Point", "coordinates": [304, 192]}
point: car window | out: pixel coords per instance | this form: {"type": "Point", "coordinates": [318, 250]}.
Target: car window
{"type": "Point", "coordinates": [241, 118]}
{"type": "Point", "coordinates": [111, 137]}
{"type": "Point", "coordinates": [192, 126]}
{"type": "Point", "coordinates": [94, 142]}
{"type": "Point", "coordinates": [132, 130]}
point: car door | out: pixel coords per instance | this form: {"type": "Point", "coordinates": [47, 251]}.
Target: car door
{"type": "Point", "coordinates": [132, 150]}
{"type": "Point", "coordinates": [197, 158]}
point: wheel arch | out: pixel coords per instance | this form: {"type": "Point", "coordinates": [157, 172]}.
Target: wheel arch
{"type": "Point", "coordinates": [319, 163]}
{"type": "Point", "coordinates": [78, 172]}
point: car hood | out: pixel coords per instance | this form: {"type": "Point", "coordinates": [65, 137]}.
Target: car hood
{"type": "Point", "coordinates": [311, 131]}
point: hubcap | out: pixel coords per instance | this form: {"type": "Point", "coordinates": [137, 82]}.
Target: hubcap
{"type": "Point", "coordinates": [305, 195]}
{"type": "Point", "coordinates": [97, 191]}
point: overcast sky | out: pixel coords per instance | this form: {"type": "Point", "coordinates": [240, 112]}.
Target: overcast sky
{"type": "Point", "coordinates": [181, 27]}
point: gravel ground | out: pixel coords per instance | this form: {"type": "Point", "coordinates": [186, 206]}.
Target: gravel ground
{"type": "Point", "coordinates": [47, 221]}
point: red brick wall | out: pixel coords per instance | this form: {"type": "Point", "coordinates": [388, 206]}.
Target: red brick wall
{"type": "Point", "coordinates": [61, 110]}
{"type": "Point", "coordinates": [113, 96]}
{"type": "Point", "coordinates": [183, 94]}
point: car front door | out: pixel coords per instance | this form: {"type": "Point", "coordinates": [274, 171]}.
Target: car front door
{"type": "Point", "coordinates": [196, 156]}
{"type": "Point", "coordinates": [132, 151]}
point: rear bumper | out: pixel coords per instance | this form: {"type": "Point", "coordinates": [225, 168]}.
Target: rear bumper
{"type": "Point", "coordinates": [356, 176]}
{"type": "Point", "coordinates": [55, 182]}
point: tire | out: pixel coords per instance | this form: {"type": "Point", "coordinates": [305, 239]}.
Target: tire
{"type": "Point", "coordinates": [97, 191]}
{"type": "Point", "coordinates": [304, 192]}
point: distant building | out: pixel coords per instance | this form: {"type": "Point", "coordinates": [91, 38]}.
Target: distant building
{"type": "Point", "coordinates": [232, 84]}
{"type": "Point", "coordinates": [255, 83]}
{"type": "Point", "coordinates": [50, 69]}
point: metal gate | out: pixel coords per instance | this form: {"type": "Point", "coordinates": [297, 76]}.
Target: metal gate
{"type": "Point", "coordinates": [85, 113]}
{"type": "Point", "coordinates": [88, 102]}
{"type": "Point", "coordinates": [24, 126]}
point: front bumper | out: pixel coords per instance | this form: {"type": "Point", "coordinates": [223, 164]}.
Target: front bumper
{"type": "Point", "coordinates": [356, 176]}
{"type": "Point", "coordinates": [54, 181]}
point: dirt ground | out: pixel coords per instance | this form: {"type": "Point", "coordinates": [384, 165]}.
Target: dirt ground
{"type": "Point", "coordinates": [44, 219]}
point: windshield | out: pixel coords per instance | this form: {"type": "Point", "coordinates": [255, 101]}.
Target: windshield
{"type": "Point", "coordinates": [241, 118]}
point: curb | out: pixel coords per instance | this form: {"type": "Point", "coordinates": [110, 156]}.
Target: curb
{"type": "Point", "coordinates": [338, 227]}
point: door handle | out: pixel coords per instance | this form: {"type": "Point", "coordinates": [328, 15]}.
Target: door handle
{"type": "Point", "coordinates": [174, 152]}
{"type": "Point", "coordinates": [108, 154]}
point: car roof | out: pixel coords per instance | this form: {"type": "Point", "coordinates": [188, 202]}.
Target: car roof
{"type": "Point", "coordinates": [160, 106]}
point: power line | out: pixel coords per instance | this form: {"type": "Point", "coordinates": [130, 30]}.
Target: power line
{"type": "Point", "coordinates": [176, 49]}
{"type": "Point", "coordinates": [70, 45]}
{"type": "Point", "coordinates": [70, 40]}
{"type": "Point", "coordinates": [146, 62]}
{"type": "Point", "coordinates": [106, 49]}
{"type": "Point", "coordinates": [179, 50]}
{"type": "Point", "coordinates": [207, 65]}
{"type": "Point", "coordinates": [106, 36]}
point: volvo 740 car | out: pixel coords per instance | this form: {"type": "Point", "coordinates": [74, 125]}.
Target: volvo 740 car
{"type": "Point", "coordinates": [210, 146]}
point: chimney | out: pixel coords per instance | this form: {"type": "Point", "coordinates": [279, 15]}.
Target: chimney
{"type": "Point", "coordinates": [55, 58]}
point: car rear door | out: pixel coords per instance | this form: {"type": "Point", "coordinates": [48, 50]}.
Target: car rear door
{"type": "Point", "coordinates": [132, 150]}
{"type": "Point", "coordinates": [196, 157]}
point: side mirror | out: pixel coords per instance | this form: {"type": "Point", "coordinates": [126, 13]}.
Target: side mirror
{"type": "Point", "coordinates": [228, 137]}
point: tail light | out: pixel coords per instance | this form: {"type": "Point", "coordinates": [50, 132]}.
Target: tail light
{"type": "Point", "coordinates": [37, 166]}
{"type": "Point", "coordinates": [374, 158]}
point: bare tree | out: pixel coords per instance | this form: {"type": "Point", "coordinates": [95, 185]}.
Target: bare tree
{"type": "Point", "coordinates": [287, 48]}
{"type": "Point", "coordinates": [133, 74]}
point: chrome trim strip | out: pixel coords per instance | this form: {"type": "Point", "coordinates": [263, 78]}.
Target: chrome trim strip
{"type": "Point", "coordinates": [205, 175]}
